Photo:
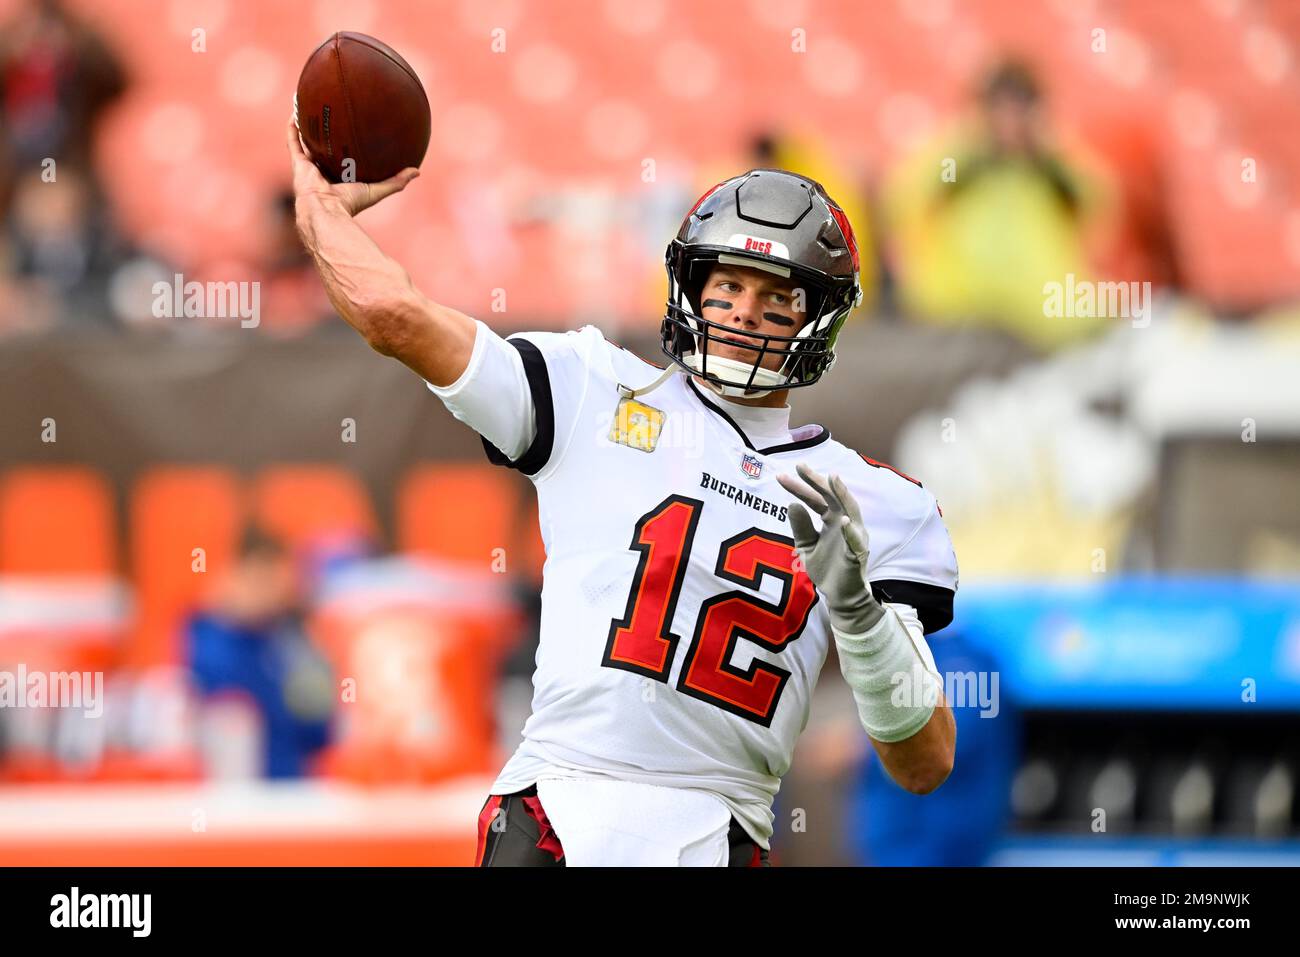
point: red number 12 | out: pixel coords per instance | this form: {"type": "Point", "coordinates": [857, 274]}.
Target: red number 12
{"type": "Point", "coordinates": [642, 642]}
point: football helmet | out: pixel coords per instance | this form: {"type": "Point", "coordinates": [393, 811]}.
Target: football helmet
{"type": "Point", "coordinates": [785, 224]}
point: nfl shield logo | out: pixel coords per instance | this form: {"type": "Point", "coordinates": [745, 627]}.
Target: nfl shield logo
{"type": "Point", "coordinates": [751, 466]}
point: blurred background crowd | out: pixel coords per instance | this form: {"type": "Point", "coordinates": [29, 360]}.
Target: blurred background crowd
{"type": "Point", "coordinates": [291, 564]}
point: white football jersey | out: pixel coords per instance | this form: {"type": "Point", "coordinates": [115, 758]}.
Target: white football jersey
{"type": "Point", "coordinates": [678, 645]}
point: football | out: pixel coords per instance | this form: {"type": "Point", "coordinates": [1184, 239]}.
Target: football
{"type": "Point", "coordinates": [361, 111]}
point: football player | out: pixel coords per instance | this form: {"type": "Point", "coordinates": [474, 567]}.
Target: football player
{"type": "Point", "coordinates": [689, 596]}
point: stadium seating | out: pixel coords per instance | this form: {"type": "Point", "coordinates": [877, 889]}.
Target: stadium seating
{"type": "Point", "coordinates": [298, 502]}
{"type": "Point", "coordinates": [56, 520]}
{"type": "Point", "coordinates": [174, 511]}
{"type": "Point", "coordinates": [459, 512]}
{"type": "Point", "coordinates": [1215, 79]}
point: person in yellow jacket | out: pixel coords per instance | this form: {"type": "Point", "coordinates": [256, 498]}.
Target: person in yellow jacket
{"type": "Point", "coordinates": [987, 217]}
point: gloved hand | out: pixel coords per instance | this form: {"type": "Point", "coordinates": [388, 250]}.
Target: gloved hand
{"type": "Point", "coordinates": [835, 558]}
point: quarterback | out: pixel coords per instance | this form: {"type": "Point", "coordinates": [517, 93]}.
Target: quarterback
{"type": "Point", "coordinates": [701, 554]}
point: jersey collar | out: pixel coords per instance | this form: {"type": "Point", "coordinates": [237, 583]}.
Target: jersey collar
{"type": "Point", "coordinates": [818, 436]}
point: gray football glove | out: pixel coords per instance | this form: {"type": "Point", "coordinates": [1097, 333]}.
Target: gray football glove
{"type": "Point", "coordinates": [835, 558]}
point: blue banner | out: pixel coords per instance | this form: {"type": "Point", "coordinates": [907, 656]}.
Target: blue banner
{"type": "Point", "coordinates": [1141, 642]}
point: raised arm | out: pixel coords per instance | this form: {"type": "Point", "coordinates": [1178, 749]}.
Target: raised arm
{"type": "Point", "coordinates": [368, 288]}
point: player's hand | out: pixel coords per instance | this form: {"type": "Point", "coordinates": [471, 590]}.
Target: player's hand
{"type": "Point", "coordinates": [352, 198]}
{"type": "Point", "coordinates": [835, 558]}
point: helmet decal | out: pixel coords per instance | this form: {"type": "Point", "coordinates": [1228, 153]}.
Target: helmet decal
{"type": "Point", "coordinates": [770, 247]}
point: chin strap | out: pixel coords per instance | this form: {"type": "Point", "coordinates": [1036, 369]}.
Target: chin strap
{"type": "Point", "coordinates": [731, 391]}
{"type": "Point", "coordinates": [627, 393]}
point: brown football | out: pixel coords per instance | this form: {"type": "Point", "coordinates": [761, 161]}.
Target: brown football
{"type": "Point", "coordinates": [359, 101]}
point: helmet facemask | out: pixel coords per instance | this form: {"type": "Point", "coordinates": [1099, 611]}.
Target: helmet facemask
{"type": "Point", "coordinates": [691, 339]}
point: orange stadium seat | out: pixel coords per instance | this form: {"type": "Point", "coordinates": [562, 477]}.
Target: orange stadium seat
{"type": "Point", "coordinates": [174, 510]}
{"type": "Point", "coordinates": [56, 520]}
{"type": "Point", "coordinates": [297, 503]}
{"type": "Point", "coordinates": [460, 512]}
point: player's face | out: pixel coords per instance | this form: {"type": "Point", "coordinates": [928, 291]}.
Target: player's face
{"type": "Point", "coordinates": [751, 301]}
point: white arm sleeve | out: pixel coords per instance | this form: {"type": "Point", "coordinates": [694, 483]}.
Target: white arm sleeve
{"type": "Point", "coordinates": [892, 674]}
{"type": "Point", "coordinates": [492, 395]}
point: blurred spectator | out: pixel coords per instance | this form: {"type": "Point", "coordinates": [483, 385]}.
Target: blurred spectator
{"type": "Point", "coordinates": [982, 219]}
{"type": "Point", "coordinates": [60, 257]}
{"type": "Point", "coordinates": [57, 76]}
{"type": "Point", "coordinates": [293, 299]}
{"type": "Point", "coordinates": [250, 643]}
{"type": "Point", "coordinates": [22, 307]}
{"type": "Point", "coordinates": [62, 251]}
{"type": "Point", "coordinates": [958, 824]}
